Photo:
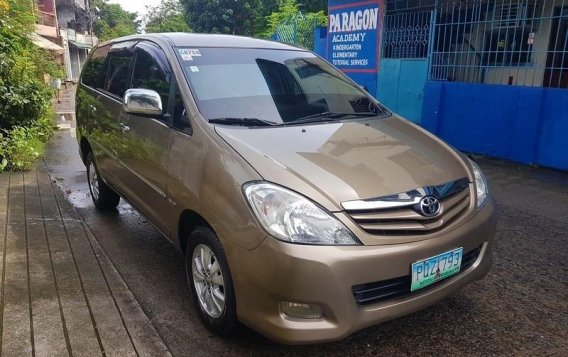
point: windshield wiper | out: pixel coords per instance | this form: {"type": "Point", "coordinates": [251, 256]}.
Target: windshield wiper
{"type": "Point", "coordinates": [242, 121]}
{"type": "Point", "coordinates": [325, 116]}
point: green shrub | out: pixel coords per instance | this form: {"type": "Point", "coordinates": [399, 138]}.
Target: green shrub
{"type": "Point", "coordinates": [26, 112]}
{"type": "Point", "coordinates": [21, 104]}
{"type": "Point", "coordinates": [45, 125]}
{"type": "Point", "coordinates": [22, 147]}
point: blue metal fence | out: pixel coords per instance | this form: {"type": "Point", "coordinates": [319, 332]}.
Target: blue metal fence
{"type": "Point", "coordinates": [518, 123]}
{"type": "Point", "coordinates": [520, 48]}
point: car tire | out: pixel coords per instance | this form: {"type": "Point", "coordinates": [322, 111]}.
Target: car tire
{"type": "Point", "coordinates": [210, 282]}
{"type": "Point", "coordinates": [103, 197]}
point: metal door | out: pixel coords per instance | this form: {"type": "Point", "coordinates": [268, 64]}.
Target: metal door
{"type": "Point", "coordinates": [404, 64]}
{"type": "Point", "coordinates": [401, 86]}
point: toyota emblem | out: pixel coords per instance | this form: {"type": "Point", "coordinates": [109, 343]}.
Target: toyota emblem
{"type": "Point", "coordinates": [430, 206]}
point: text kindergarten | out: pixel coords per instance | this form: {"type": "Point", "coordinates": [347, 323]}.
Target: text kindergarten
{"type": "Point", "coordinates": [353, 37]}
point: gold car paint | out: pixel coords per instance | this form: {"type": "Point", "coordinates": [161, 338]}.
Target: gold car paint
{"type": "Point", "coordinates": [328, 163]}
{"type": "Point", "coordinates": [346, 160]}
{"type": "Point", "coordinates": [146, 158]}
{"type": "Point", "coordinates": [198, 182]}
{"type": "Point", "coordinates": [325, 276]}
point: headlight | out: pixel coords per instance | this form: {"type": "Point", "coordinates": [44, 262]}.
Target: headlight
{"type": "Point", "coordinates": [480, 184]}
{"type": "Point", "coordinates": [293, 218]}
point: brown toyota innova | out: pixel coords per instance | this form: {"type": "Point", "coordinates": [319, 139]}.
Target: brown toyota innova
{"type": "Point", "coordinates": [305, 209]}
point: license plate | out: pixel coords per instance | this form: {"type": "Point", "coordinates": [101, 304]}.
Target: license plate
{"type": "Point", "coordinates": [430, 270]}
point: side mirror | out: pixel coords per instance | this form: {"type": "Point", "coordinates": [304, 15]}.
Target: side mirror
{"type": "Point", "coordinates": [143, 101]}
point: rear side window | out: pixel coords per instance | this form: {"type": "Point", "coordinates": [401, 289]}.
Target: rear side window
{"type": "Point", "coordinates": [152, 71]}
{"type": "Point", "coordinates": [118, 72]}
{"type": "Point", "coordinates": [95, 71]}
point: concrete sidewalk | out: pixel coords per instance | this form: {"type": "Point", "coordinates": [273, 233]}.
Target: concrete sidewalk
{"type": "Point", "coordinates": [60, 295]}
{"type": "Point", "coordinates": [65, 109]}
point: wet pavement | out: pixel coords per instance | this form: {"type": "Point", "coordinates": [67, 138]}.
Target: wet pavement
{"type": "Point", "coordinates": [520, 308]}
{"type": "Point", "coordinates": [59, 294]}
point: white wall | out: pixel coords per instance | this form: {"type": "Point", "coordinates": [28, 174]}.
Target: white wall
{"type": "Point", "coordinates": [65, 13]}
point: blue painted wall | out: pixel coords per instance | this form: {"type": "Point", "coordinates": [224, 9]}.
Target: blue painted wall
{"type": "Point", "coordinates": [553, 130]}
{"type": "Point", "coordinates": [320, 40]}
{"type": "Point", "coordinates": [522, 124]}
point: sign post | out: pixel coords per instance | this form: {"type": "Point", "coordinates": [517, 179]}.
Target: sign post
{"type": "Point", "coordinates": [353, 40]}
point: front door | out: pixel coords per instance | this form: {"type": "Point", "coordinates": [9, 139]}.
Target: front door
{"type": "Point", "coordinates": [403, 67]}
{"type": "Point", "coordinates": [105, 112]}
{"type": "Point", "coordinates": [146, 155]}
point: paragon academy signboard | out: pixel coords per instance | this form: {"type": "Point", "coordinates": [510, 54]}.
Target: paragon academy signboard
{"type": "Point", "coordinates": [353, 40]}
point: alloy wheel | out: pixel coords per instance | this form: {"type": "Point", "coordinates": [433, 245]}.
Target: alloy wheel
{"type": "Point", "coordinates": [208, 281]}
{"type": "Point", "coordinates": [93, 181]}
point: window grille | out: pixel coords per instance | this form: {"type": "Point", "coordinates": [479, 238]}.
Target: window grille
{"type": "Point", "coordinates": [404, 6]}
{"type": "Point", "coordinates": [514, 14]}
{"type": "Point", "coordinates": [406, 35]}
{"type": "Point", "coordinates": [509, 42]}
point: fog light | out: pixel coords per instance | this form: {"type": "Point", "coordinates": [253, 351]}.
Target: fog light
{"type": "Point", "coordinates": [300, 311]}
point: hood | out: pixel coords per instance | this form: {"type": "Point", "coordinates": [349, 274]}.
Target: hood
{"type": "Point", "coordinates": [337, 162]}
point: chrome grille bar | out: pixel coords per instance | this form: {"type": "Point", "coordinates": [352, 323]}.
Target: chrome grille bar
{"type": "Point", "coordinates": [388, 216]}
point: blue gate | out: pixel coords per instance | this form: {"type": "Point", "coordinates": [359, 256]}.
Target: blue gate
{"type": "Point", "coordinates": [404, 64]}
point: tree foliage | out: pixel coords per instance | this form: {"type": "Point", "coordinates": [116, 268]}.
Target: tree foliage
{"type": "Point", "coordinates": [113, 21]}
{"type": "Point", "coordinates": [24, 96]}
{"type": "Point", "coordinates": [313, 5]}
{"type": "Point", "coordinates": [169, 16]}
{"type": "Point", "coordinates": [222, 16]}
{"type": "Point", "coordinates": [289, 14]}
{"type": "Point", "coordinates": [26, 118]}
{"type": "Point", "coordinates": [244, 17]}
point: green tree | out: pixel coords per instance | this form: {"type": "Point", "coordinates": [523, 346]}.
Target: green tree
{"type": "Point", "coordinates": [313, 5]}
{"type": "Point", "coordinates": [222, 16]}
{"type": "Point", "coordinates": [26, 112]}
{"type": "Point", "coordinates": [290, 20]}
{"type": "Point", "coordinates": [24, 96]}
{"type": "Point", "coordinates": [113, 21]}
{"type": "Point", "coordinates": [240, 17]}
{"type": "Point", "coordinates": [169, 16]}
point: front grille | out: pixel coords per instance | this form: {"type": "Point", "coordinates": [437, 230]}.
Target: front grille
{"type": "Point", "coordinates": [379, 291]}
{"type": "Point", "coordinates": [405, 220]}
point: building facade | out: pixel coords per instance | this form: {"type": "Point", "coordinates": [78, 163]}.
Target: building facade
{"type": "Point", "coordinates": [68, 25]}
{"type": "Point", "coordinates": [46, 29]}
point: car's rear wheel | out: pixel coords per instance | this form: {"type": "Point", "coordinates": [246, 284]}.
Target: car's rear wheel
{"type": "Point", "coordinates": [210, 282]}
{"type": "Point", "coordinates": [103, 196]}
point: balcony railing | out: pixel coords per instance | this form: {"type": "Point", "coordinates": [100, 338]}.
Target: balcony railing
{"type": "Point", "coordinates": [46, 19]}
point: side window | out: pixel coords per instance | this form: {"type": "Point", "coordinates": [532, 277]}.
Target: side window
{"type": "Point", "coordinates": [94, 72]}
{"type": "Point", "coordinates": [152, 71]}
{"type": "Point", "coordinates": [180, 115]}
{"type": "Point", "coordinates": [118, 72]}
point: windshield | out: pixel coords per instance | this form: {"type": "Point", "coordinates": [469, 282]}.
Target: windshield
{"type": "Point", "coordinates": [274, 86]}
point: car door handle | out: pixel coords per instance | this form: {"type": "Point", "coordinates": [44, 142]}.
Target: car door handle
{"type": "Point", "coordinates": [125, 128]}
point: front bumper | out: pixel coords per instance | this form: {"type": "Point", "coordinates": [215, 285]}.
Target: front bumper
{"type": "Point", "coordinates": [324, 276]}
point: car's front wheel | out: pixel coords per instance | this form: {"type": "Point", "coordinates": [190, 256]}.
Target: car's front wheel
{"type": "Point", "coordinates": [210, 282]}
{"type": "Point", "coordinates": [103, 196]}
